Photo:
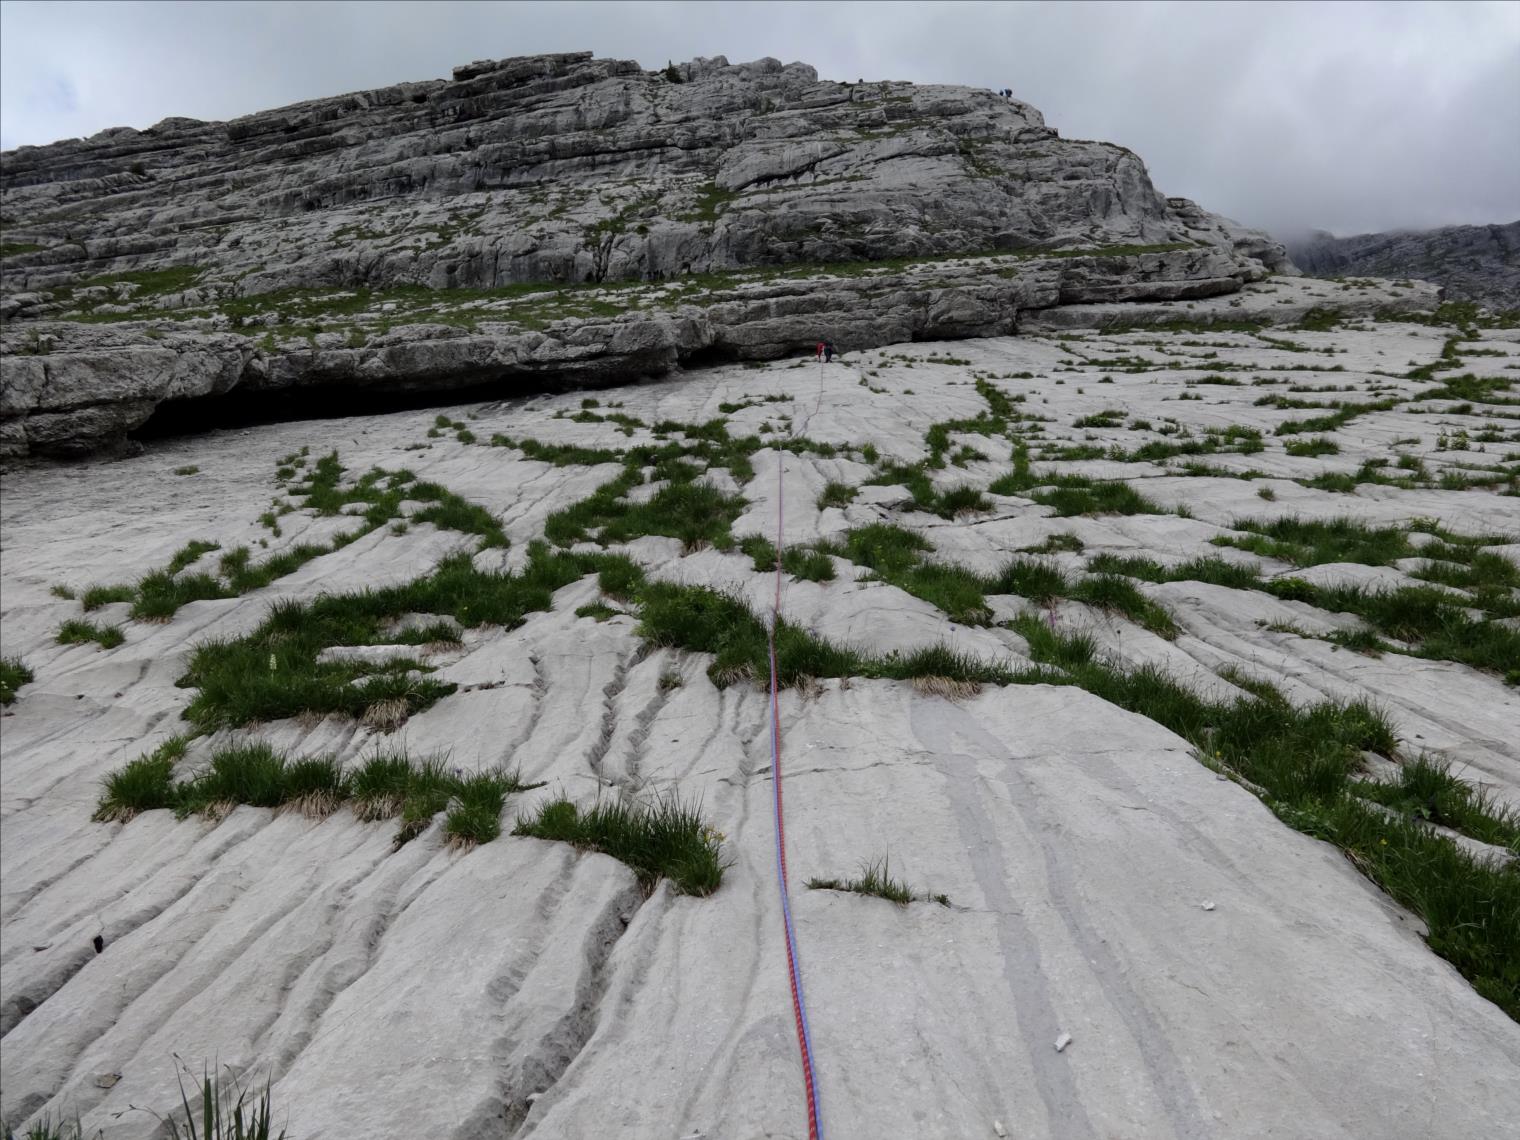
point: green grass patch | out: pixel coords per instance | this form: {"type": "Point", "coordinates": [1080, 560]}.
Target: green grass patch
{"type": "Point", "coordinates": [1215, 571]}
{"type": "Point", "coordinates": [1336, 419]}
{"type": "Point", "coordinates": [243, 774]}
{"type": "Point", "coordinates": [13, 674]}
{"type": "Point", "coordinates": [876, 880]}
{"type": "Point", "coordinates": [1426, 790]}
{"type": "Point", "coordinates": [810, 564]}
{"type": "Point", "coordinates": [1301, 761]}
{"type": "Point", "coordinates": [1311, 542]}
{"type": "Point", "coordinates": [384, 786]}
{"type": "Point", "coordinates": [1310, 448]}
{"type": "Point", "coordinates": [273, 672]}
{"type": "Point", "coordinates": [97, 596]}
{"type": "Point", "coordinates": [836, 495]}
{"type": "Point", "coordinates": [77, 632]}
{"type": "Point", "coordinates": [1117, 594]}
{"type": "Point", "coordinates": [143, 784]}
{"type": "Point", "coordinates": [663, 840]}
{"type": "Point", "coordinates": [697, 513]}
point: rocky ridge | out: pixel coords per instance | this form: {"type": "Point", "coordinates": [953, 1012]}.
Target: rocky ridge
{"type": "Point", "coordinates": [559, 220]}
{"type": "Point", "coordinates": [1472, 263]}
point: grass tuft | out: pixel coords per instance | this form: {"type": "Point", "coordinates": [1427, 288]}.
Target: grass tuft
{"type": "Point", "coordinates": [224, 1109]}
{"type": "Point", "coordinates": [13, 674]}
{"type": "Point", "coordinates": [143, 784]}
{"type": "Point", "coordinates": [876, 880]}
{"type": "Point", "coordinates": [1427, 791]}
{"type": "Point", "coordinates": [666, 839]}
{"type": "Point", "coordinates": [75, 631]}
{"type": "Point", "coordinates": [475, 815]}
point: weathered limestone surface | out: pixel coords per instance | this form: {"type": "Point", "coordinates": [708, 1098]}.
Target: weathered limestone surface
{"type": "Point", "coordinates": [207, 240]}
{"type": "Point", "coordinates": [1219, 974]}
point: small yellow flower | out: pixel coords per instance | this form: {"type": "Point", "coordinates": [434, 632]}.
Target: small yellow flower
{"type": "Point", "coordinates": [1383, 842]}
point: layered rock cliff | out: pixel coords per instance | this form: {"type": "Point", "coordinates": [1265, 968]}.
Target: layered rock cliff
{"type": "Point", "coordinates": [1472, 263]}
{"type": "Point", "coordinates": [559, 219]}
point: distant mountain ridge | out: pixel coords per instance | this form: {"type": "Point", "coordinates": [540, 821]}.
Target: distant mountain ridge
{"type": "Point", "coordinates": [1472, 263]}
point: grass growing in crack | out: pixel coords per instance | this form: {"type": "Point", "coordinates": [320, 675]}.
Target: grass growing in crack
{"type": "Point", "coordinates": [1434, 621]}
{"type": "Point", "coordinates": [13, 674]}
{"type": "Point", "coordinates": [836, 495]}
{"type": "Point", "coordinates": [1470, 907]}
{"type": "Point", "coordinates": [876, 879]}
{"type": "Point", "coordinates": [1426, 790]}
{"type": "Point", "coordinates": [811, 564]}
{"type": "Point", "coordinates": [76, 632]}
{"type": "Point", "coordinates": [251, 774]}
{"type": "Point", "coordinates": [665, 839]}
{"type": "Point", "coordinates": [706, 621]}
{"type": "Point", "coordinates": [160, 594]}
{"type": "Point", "coordinates": [143, 784]}
{"type": "Point", "coordinates": [1337, 419]}
{"type": "Point", "coordinates": [1310, 542]}
{"type": "Point", "coordinates": [1309, 448]}
{"type": "Point", "coordinates": [315, 786]}
{"type": "Point", "coordinates": [895, 555]}
{"type": "Point", "coordinates": [1301, 761]}
{"type": "Point", "coordinates": [1033, 578]}
{"type": "Point", "coordinates": [1117, 594]}
{"type": "Point", "coordinates": [1055, 544]}
{"type": "Point", "coordinates": [475, 814]}
{"type": "Point", "coordinates": [1072, 494]}
{"type": "Point", "coordinates": [947, 504]}
{"type": "Point", "coordinates": [1293, 753]}
{"type": "Point", "coordinates": [1214, 571]}
{"type": "Point", "coordinates": [97, 596]}
{"type": "Point", "coordinates": [385, 786]}
{"type": "Point", "coordinates": [273, 672]}
{"type": "Point", "coordinates": [696, 513]}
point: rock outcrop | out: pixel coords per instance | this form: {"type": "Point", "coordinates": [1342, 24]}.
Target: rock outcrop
{"type": "Point", "coordinates": [557, 220]}
{"type": "Point", "coordinates": [1472, 263]}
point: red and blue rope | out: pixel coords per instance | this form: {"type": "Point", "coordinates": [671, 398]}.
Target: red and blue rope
{"type": "Point", "coordinates": [793, 968]}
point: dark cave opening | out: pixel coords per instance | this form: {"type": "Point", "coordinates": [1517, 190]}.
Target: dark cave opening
{"type": "Point", "coordinates": [243, 408]}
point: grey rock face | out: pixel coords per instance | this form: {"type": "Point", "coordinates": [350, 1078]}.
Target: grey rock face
{"type": "Point", "coordinates": [1472, 263]}
{"type": "Point", "coordinates": [296, 246]}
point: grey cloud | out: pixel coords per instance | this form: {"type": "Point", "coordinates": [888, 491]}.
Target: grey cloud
{"type": "Point", "coordinates": [1348, 117]}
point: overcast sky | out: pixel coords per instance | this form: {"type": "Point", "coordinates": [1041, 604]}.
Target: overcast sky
{"type": "Point", "coordinates": [1348, 117]}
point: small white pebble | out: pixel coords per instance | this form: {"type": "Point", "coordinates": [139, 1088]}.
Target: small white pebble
{"type": "Point", "coordinates": [1063, 1041]}
{"type": "Point", "coordinates": [997, 1126]}
{"type": "Point", "coordinates": [1207, 905]}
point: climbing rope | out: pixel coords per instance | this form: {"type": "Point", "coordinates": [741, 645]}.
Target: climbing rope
{"type": "Point", "coordinates": [794, 972]}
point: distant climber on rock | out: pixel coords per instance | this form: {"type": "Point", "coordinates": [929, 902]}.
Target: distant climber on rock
{"type": "Point", "coordinates": [818, 352]}
{"type": "Point", "coordinates": [828, 352]}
